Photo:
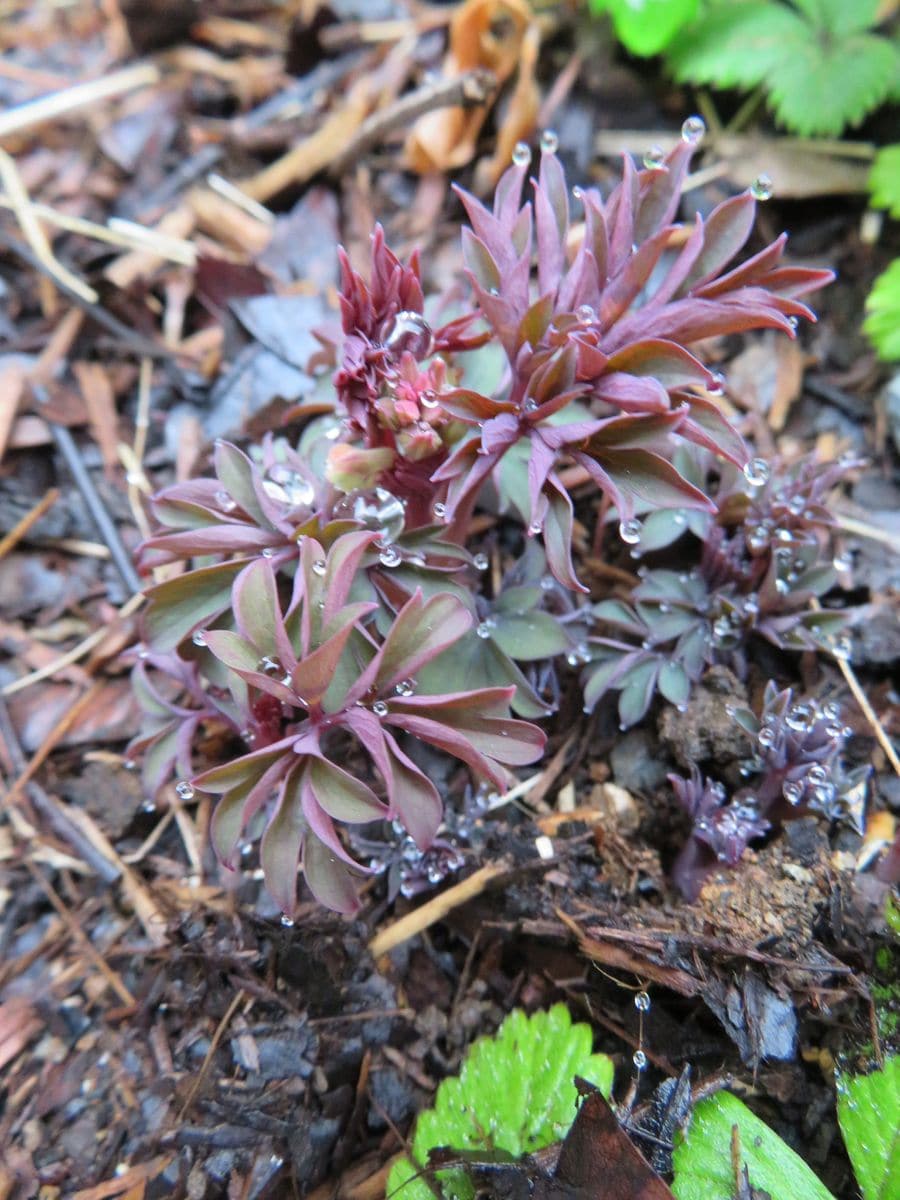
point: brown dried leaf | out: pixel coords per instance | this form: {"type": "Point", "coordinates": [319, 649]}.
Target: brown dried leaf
{"type": "Point", "coordinates": [485, 34]}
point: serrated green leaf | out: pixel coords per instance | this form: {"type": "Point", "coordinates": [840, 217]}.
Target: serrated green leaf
{"type": "Point", "coordinates": [703, 1166]}
{"type": "Point", "coordinates": [882, 323]}
{"type": "Point", "coordinates": [735, 45]}
{"type": "Point", "coordinates": [884, 180]}
{"type": "Point", "coordinates": [819, 60]}
{"type": "Point", "coordinates": [514, 1093]}
{"type": "Point", "coordinates": [647, 26]}
{"type": "Point", "coordinates": [823, 87]}
{"type": "Point", "coordinates": [869, 1115]}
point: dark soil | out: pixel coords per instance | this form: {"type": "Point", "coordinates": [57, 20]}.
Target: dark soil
{"type": "Point", "coordinates": [161, 1033]}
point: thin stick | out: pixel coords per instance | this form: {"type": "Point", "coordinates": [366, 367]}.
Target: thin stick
{"type": "Point", "coordinates": [126, 234]}
{"type": "Point", "coordinates": [106, 527]}
{"type": "Point", "coordinates": [20, 202]}
{"type": "Point", "coordinates": [434, 910]}
{"type": "Point", "coordinates": [50, 742]}
{"type": "Point", "coordinates": [470, 90]}
{"type": "Point", "coordinates": [73, 655]}
{"type": "Point", "coordinates": [865, 530]}
{"type": "Point", "coordinates": [22, 527]}
{"type": "Point", "coordinates": [58, 104]}
{"type": "Point", "coordinates": [869, 713]}
{"type": "Point", "coordinates": [213, 1046]}
{"type": "Point", "coordinates": [81, 937]}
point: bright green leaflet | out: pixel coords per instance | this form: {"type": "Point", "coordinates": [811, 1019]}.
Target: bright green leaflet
{"type": "Point", "coordinates": [822, 63]}
{"type": "Point", "coordinates": [703, 1168]}
{"type": "Point", "coordinates": [645, 27]}
{"type": "Point", "coordinates": [882, 322]}
{"type": "Point", "coordinates": [884, 180]}
{"type": "Point", "coordinates": [514, 1092]}
{"type": "Point", "coordinates": [869, 1115]}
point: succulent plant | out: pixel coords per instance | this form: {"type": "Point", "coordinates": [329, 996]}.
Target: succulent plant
{"type": "Point", "coordinates": [758, 566]}
{"type": "Point", "coordinates": [321, 602]}
{"type": "Point", "coordinates": [795, 768]}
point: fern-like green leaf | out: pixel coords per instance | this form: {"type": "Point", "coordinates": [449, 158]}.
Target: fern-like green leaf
{"type": "Point", "coordinates": [818, 61]}
{"type": "Point", "coordinates": [869, 1116]}
{"type": "Point", "coordinates": [644, 27]}
{"type": "Point", "coordinates": [884, 180]}
{"type": "Point", "coordinates": [514, 1093]}
{"type": "Point", "coordinates": [883, 307]}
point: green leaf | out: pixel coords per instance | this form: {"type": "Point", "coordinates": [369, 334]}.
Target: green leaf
{"type": "Point", "coordinates": [820, 62]}
{"type": "Point", "coordinates": [882, 323]}
{"type": "Point", "coordinates": [181, 604]}
{"type": "Point", "coordinates": [529, 636]}
{"type": "Point", "coordinates": [646, 26]}
{"type": "Point", "coordinates": [869, 1116]}
{"type": "Point", "coordinates": [823, 87]}
{"type": "Point", "coordinates": [703, 1166]}
{"type": "Point", "coordinates": [735, 45]}
{"type": "Point", "coordinates": [884, 180]}
{"type": "Point", "coordinates": [514, 1093]}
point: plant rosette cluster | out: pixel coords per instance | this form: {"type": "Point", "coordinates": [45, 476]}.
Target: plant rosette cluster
{"type": "Point", "coordinates": [761, 563]}
{"type": "Point", "coordinates": [795, 768]}
{"type": "Point", "coordinates": [322, 586]}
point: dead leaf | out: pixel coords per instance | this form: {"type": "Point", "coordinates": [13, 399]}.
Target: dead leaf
{"type": "Point", "coordinates": [486, 35]}
{"type": "Point", "coordinates": [101, 405]}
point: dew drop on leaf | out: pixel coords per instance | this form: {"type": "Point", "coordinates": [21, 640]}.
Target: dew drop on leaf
{"type": "Point", "coordinates": [379, 708]}
{"type": "Point", "coordinates": [762, 188]}
{"type": "Point", "coordinates": [199, 638]}
{"type": "Point", "coordinates": [521, 155]}
{"type": "Point", "coordinates": [630, 531]}
{"type": "Point", "coordinates": [481, 562]}
{"type": "Point", "coordinates": [549, 141]}
{"type": "Point", "coordinates": [319, 566]}
{"type": "Point", "coordinates": [184, 790]}
{"type": "Point", "coordinates": [692, 130]}
{"type": "Point", "coordinates": [654, 158]}
{"type": "Point", "coordinates": [756, 472]}
{"type": "Point", "coordinates": [409, 332]}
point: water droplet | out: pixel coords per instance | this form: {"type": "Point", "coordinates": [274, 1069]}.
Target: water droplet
{"type": "Point", "coordinates": [409, 332]}
{"type": "Point", "coordinates": [767, 738]}
{"type": "Point", "coordinates": [843, 561]}
{"type": "Point", "coordinates": [549, 141]}
{"type": "Point", "coordinates": [642, 1002]}
{"type": "Point", "coordinates": [389, 556]}
{"type": "Point", "coordinates": [630, 531]}
{"type": "Point", "coordinates": [405, 687]}
{"type": "Point", "coordinates": [319, 566]}
{"type": "Point", "coordinates": [481, 562]}
{"type": "Point", "coordinates": [184, 790]}
{"type": "Point", "coordinates": [817, 775]}
{"type": "Point", "coordinates": [439, 509]}
{"type": "Point", "coordinates": [842, 647]}
{"type": "Point", "coordinates": [270, 666]}
{"type": "Point", "coordinates": [762, 188]}
{"type": "Point", "coordinates": [428, 399]}
{"type": "Point", "coordinates": [757, 539]}
{"type": "Point", "coordinates": [377, 510]}
{"type": "Point", "coordinates": [716, 385]}
{"type": "Point", "coordinates": [199, 638]}
{"type": "Point", "coordinates": [530, 405]}
{"type": "Point", "coordinates": [379, 708]}
{"type": "Point", "coordinates": [286, 486]}
{"type": "Point", "coordinates": [521, 154]}
{"type": "Point", "coordinates": [792, 791]}
{"type": "Point", "coordinates": [722, 629]}
{"type": "Point", "coordinates": [756, 472]}
{"type": "Point", "coordinates": [287, 921]}
{"type": "Point", "coordinates": [654, 158]}
{"type": "Point", "coordinates": [224, 501]}
{"type": "Point", "coordinates": [586, 314]}
{"type": "Point", "coordinates": [484, 629]}
{"type": "Point", "coordinates": [794, 323]}
{"type": "Point", "coordinates": [535, 528]}
{"type": "Point", "coordinates": [834, 729]}
{"type": "Point", "coordinates": [639, 1058]}
{"type": "Point", "coordinates": [782, 587]}
{"type": "Point", "coordinates": [692, 130]}
{"type": "Point", "coordinates": [831, 710]}
{"type": "Point", "coordinates": [547, 583]}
